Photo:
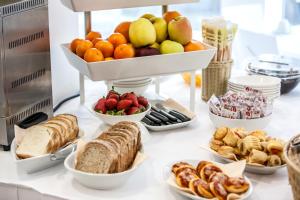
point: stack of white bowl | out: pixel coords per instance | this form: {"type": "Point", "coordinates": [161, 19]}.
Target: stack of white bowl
{"type": "Point", "coordinates": [136, 85]}
{"type": "Point", "coordinates": [270, 86]}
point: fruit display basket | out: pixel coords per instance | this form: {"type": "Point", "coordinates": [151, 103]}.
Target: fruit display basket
{"type": "Point", "coordinates": [140, 66]}
{"type": "Point", "coordinates": [93, 5]}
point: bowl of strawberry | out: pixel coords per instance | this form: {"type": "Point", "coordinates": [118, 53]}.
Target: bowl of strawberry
{"type": "Point", "coordinates": [116, 107]}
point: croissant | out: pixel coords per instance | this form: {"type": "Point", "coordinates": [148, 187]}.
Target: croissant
{"type": "Point", "coordinates": [218, 177]}
{"type": "Point", "coordinates": [218, 190]}
{"type": "Point", "coordinates": [236, 185]}
{"type": "Point", "coordinates": [251, 142]}
{"type": "Point", "coordinates": [275, 147]}
{"type": "Point", "coordinates": [241, 132]}
{"type": "Point", "coordinates": [200, 188]}
{"type": "Point", "coordinates": [178, 165]}
{"type": "Point", "coordinates": [258, 157]}
{"type": "Point", "coordinates": [227, 152]}
{"type": "Point", "coordinates": [208, 170]}
{"type": "Point", "coordinates": [215, 144]}
{"type": "Point", "coordinates": [274, 160]}
{"type": "Point", "coordinates": [220, 133]}
{"type": "Point", "coordinates": [231, 139]}
{"type": "Point", "coordinates": [261, 135]}
{"type": "Point", "coordinates": [184, 177]}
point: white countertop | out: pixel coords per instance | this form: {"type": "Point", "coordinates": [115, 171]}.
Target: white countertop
{"type": "Point", "coordinates": [162, 148]}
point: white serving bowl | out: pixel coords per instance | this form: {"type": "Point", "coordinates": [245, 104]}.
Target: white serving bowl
{"type": "Point", "coordinates": [248, 124]}
{"type": "Point", "coordinates": [98, 181]}
{"type": "Point", "coordinates": [113, 119]}
{"type": "Point", "coordinates": [124, 87]}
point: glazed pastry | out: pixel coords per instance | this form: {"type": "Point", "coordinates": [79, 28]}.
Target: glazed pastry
{"type": "Point", "coordinates": [275, 147]}
{"type": "Point", "coordinates": [218, 190]}
{"type": "Point", "coordinates": [231, 139]}
{"type": "Point", "coordinates": [233, 196]}
{"type": "Point", "coordinates": [220, 133]}
{"type": "Point", "coordinates": [184, 177]}
{"type": "Point", "coordinates": [208, 170]}
{"type": "Point", "coordinates": [250, 142]}
{"type": "Point", "coordinates": [218, 177]}
{"type": "Point", "coordinates": [200, 188]}
{"type": "Point", "coordinates": [186, 168]}
{"type": "Point", "coordinates": [176, 166]}
{"type": "Point", "coordinates": [200, 165]}
{"type": "Point", "coordinates": [236, 185]}
{"type": "Point", "coordinates": [227, 152]}
{"type": "Point", "coordinates": [261, 135]}
{"type": "Point", "coordinates": [274, 160]}
{"type": "Point", "coordinates": [216, 144]}
{"type": "Point", "coordinates": [259, 157]}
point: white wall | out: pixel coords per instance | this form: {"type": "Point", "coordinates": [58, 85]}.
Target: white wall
{"type": "Point", "coordinates": [63, 28]}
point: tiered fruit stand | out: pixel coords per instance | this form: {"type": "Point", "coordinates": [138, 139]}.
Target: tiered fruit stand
{"type": "Point", "coordinates": [148, 66]}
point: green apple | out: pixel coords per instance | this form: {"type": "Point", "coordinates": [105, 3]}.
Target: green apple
{"type": "Point", "coordinates": [180, 30]}
{"type": "Point", "coordinates": [155, 45]}
{"type": "Point", "coordinates": [161, 28]}
{"type": "Point", "coordinates": [147, 16]}
{"type": "Point", "coordinates": [168, 46]}
{"type": "Point", "coordinates": [142, 33]}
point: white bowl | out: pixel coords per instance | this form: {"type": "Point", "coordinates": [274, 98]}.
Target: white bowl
{"type": "Point", "coordinates": [256, 81]}
{"type": "Point", "coordinates": [113, 119]}
{"type": "Point", "coordinates": [138, 89]}
{"type": "Point", "coordinates": [98, 181]}
{"type": "Point", "coordinates": [248, 124]}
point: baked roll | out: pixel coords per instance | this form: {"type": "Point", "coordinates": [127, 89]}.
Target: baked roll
{"type": "Point", "coordinates": [274, 160]}
{"type": "Point", "coordinates": [208, 170]}
{"type": "Point", "coordinates": [200, 188]}
{"type": "Point", "coordinates": [258, 157]}
{"type": "Point", "coordinates": [218, 177]}
{"type": "Point", "coordinates": [227, 152]}
{"type": "Point", "coordinates": [220, 133]}
{"type": "Point", "coordinates": [183, 178]}
{"type": "Point", "coordinates": [216, 144]}
{"type": "Point", "coordinates": [218, 190]}
{"type": "Point", "coordinates": [236, 185]}
{"type": "Point", "coordinates": [176, 166]}
{"type": "Point", "coordinates": [231, 138]}
{"type": "Point", "coordinates": [275, 147]}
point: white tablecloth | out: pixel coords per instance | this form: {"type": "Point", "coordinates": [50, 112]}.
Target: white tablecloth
{"type": "Point", "coordinates": [162, 148]}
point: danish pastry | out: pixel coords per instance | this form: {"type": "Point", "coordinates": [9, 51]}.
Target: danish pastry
{"type": "Point", "coordinates": [227, 152]}
{"type": "Point", "coordinates": [236, 185]}
{"type": "Point", "coordinates": [220, 133]}
{"type": "Point", "coordinates": [176, 166]}
{"type": "Point", "coordinates": [183, 178]}
{"type": "Point", "coordinates": [200, 188]}
{"type": "Point", "coordinates": [258, 157]}
{"type": "Point", "coordinates": [200, 165]}
{"type": "Point", "coordinates": [208, 170]}
{"type": "Point", "coordinates": [218, 177]}
{"type": "Point", "coordinates": [275, 147]}
{"type": "Point", "coordinates": [186, 168]}
{"type": "Point", "coordinates": [274, 160]}
{"type": "Point", "coordinates": [218, 190]}
{"type": "Point", "coordinates": [231, 139]}
{"type": "Point", "coordinates": [216, 144]}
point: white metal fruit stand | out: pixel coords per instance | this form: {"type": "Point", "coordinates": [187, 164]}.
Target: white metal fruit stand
{"type": "Point", "coordinates": [147, 66]}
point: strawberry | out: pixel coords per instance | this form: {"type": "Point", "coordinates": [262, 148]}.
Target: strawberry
{"type": "Point", "coordinates": [123, 96]}
{"type": "Point", "coordinates": [124, 104]}
{"type": "Point", "coordinates": [111, 103]}
{"type": "Point", "coordinates": [131, 96]}
{"type": "Point", "coordinates": [133, 110]}
{"type": "Point", "coordinates": [143, 101]}
{"type": "Point", "coordinates": [142, 108]}
{"type": "Point", "coordinates": [113, 94]}
{"type": "Point", "coordinates": [100, 106]}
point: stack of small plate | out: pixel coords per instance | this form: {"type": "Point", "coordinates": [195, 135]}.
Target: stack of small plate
{"type": "Point", "coordinates": [137, 85]}
{"type": "Point", "coordinates": [270, 86]}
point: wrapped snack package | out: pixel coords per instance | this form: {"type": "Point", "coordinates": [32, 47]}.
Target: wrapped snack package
{"type": "Point", "coordinates": [249, 104]}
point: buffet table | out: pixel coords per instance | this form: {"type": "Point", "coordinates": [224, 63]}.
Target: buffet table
{"type": "Point", "coordinates": [161, 149]}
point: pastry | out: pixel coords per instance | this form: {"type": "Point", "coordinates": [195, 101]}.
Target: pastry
{"type": "Point", "coordinates": [183, 178]}
{"type": "Point", "coordinates": [258, 157]}
{"type": "Point", "coordinates": [231, 139]}
{"type": "Point", "coordinates": [187, 168]}
{"type": "Point", "coordinates": [200, 188]}
{"type": "Point", "coordinates": [233, 196]}
{"type": "Point", "coordinates": [216, 144]}
{"type": "Point", "coordinates": [220, 133]}
{"type": "Point", "coordinates": [176, 166]}
{"type": "Point", "coordinates": [275, 147]}
{"type": "Point", "coordinates": [251, 142]}
{"type": "Point", "coordinates": [200, 165]}
{"type": "Point", "coordinates": [227, 152]}
{"type": "Point", "coordinates": [208, 170]}
{"type": "Point", "coordinates": [218, 177]}
{"type": "Point", "coordinates": [261, 135]}
{"type": "Point", "coordinates": [274, 160]}
{"type": "Point", "coordinates": [236, 185]}
{"type": "Point", "coordinates": [241, 132]}
{"type": "Point", "coordinates": [218, 190]}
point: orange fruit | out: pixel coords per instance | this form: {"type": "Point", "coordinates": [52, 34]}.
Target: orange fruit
{"type": "Point", "coordinates": [82, 47]}
{"type": "Point", "coordinates": [123, 28]}
{"type": "Point", "coordinates": [96, 40]}
{"type": "Point", "coordinates": [93, 55]}
{"type": "Point", "coordinates": [117, 39]}
{"type": "Point", "coordinates": [74, 44]}
{"type": "Point", "coordinates": [124, 51]}
{"type": "Point", "coordinates": [194, 46]}
{"type": "Point", "coordinates": [168, 16]}
{"type": "Point", "coordinates": [106, 48]}
{"type": "Point", "coordinates": [92, 35]}
{"type": "Point", "coordinates": [187, 78]}
{"type": "Point", "coordinates": [109, 58]}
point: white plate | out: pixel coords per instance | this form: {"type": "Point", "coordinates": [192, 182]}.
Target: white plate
{"type": "Point", "coordinates": [34, 164]}
{"type": "Point", "coordinates": [98, 181]}
{"type": "Point", "coordinates": [113, 119]}
{"type": "Point", "coordinates": [256, 81]}
{"type": "Point", "coordinates": [168, 175]}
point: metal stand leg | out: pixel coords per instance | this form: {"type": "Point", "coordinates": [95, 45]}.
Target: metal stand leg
{"type": "Point", "coordinates": [82, 89]}
{"type": "Point", "coordinates": [193, 91]}
{"type": "Point", "coordinates": [157, 85]}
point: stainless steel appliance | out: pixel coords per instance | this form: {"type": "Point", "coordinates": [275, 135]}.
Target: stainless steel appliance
{"type": "Point", "coordinates": [25, 70]}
